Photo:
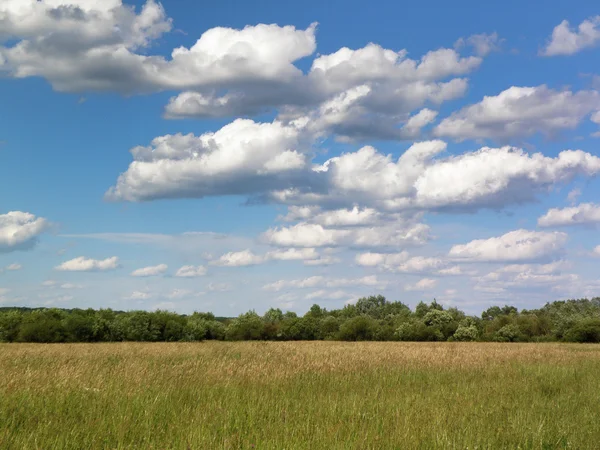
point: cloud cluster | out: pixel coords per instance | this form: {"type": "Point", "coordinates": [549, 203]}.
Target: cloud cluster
{"type": "Point", "coordinates": [583, 214]}
{"type": "Point", "coordinates": [518, 245]}
{"type": "Point", "coordinates": [83, 264]}
{"type": "Point", "coordinates": [191, 272]}
{"type": "Point", "coordinates": [519, 112]}
{"type": "Point", "coordinates": [248, 258]}
{"type": "Point", "coordinates": [567, 41]}
{"type": "Point", "coordinates": [20, 230]}
{"type": "Point", "coordinates": [320, 281]}
{"type": "Point", "coordinates": [523, 276]}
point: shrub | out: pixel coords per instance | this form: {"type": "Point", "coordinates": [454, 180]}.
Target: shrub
{"type": "Point", "coordinates": [587, 330]}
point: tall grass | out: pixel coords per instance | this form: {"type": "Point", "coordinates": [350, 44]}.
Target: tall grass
{"type": "Point", "coordinates": [307, 395]}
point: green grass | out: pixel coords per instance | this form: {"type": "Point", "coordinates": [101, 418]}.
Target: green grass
{"type": "Point", "coordinates": [301, 395]}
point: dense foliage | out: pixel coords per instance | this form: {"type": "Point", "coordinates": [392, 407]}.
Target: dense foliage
{"type": "Point", "coordinates": [370, 319]}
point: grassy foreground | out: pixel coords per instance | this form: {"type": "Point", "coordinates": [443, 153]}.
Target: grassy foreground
{"type": "Point", "coordinates": [304, 395]}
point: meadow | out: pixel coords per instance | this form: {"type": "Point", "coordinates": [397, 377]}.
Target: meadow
{"type": "Point", "coordinates": [299, 395]}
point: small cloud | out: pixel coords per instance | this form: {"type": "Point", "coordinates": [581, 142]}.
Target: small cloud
{"type": "Point", "coordinates": [191, 271]}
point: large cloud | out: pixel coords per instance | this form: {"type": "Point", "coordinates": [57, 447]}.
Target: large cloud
{"type": "Point", "coordinates": [20, 230]}
{"type": "Point", "coordinates": [367, 92]}
{"type": "Point", "coordinates": [583, 214]}
{"type": "Point", "coordinates": [519, 112]}
{"type": "Point", "coordinates": [515, 246]}
{"type": "Point", "coordinates": [81, 45]}
{"type": "Point", "coordinates": [566, 41]}
{"type": "Point", "coordinates": [271, 161]}
{"type": "Point", "coordinates": [243, 157]}
{"type": "Point", "coordinates": [83, 264]}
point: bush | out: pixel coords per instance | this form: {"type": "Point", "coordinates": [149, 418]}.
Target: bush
{"type": "Point", "coordinates": [466, 333]}
{"type": "Point", "coordinates": [587, 330]}
{"type": "Point", "coordinates": [360, 328]}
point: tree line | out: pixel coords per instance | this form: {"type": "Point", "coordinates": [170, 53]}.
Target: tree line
{"type": "Point", "coordinates": [369, 319]}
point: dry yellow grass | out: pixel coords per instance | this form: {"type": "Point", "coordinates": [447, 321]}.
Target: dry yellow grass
{"type": "Point", "coordinates": [288, 395]}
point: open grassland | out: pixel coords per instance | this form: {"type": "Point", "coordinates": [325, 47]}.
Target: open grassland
{"type": "Point", "coordinates": [304, 395]}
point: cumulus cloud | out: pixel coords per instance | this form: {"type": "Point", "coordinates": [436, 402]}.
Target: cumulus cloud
{"type": "Point", "coordinates": [518, 245]}
{"type": "Point", "coordinates": [137, 295]}
{"type": "Point", "coordinates": [483, 43]}
{"type": "Point", "coordinates": [80, 45]}
{"type": "Point", "coordinates": [312, 235]}
{"type": "Point", "coordinates": [385, 260]}
{"type": "Point", "coordinates": [323, 295]}
{"type": "Point", "coordinates": [526, 276]}
{"type": "Point", "coordinates": [519, 112]}
{"type": "Point", "coordinates": [271, 162]}
{"type": "Point", "coordinates": [320, 281]}
{"type": "Point", "coordinates": [248, 258]}
{"type": "Point", "coordinates": [583, 214]}
{"type": "Point", "coordinates": [150, 271]}
{"type": "Point", "coordinates": [83, 264]}
{"type": "Point", "coordinates": [191, 271]}
{"type": "Point", "coordinates": [13, 267]}
{"type": "Point", "coordinates": [425, 284]}
{"type": "Point", "coordinates": [566, 41]}
{"type": "Point", "coordinates": [243, 157]}
{"type": "Point", "coordinates": [20, 230]}
{"type": "Point", "coordinates": [237, 259]}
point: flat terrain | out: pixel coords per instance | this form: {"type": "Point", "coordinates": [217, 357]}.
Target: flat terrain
{"type": "Point", "coordinates": [299, 395]}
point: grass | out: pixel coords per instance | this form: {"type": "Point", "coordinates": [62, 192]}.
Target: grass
{"type": "Point", "coordinates": [299, 395]}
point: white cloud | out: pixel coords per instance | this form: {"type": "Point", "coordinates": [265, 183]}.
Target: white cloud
{"type": "Point", "coordinates": [248, 258]}
{"type": "Point", "coordinates": [137, 295]}
{"type": "Point", "coordinates": [326, 295]}
{"type": "Point", "coordinates": [219, 287]}
{"type": "Point", "coordinates": [518, 112]}
{"type": "Point", "coordinates": [293, 254]}
{"type": "Point", "coordinates": [483, 44]}
{"type": "Point", "coordinates": [517, 276]}
{"type": "Point", "coordinates": [237, 259]}
{"type": "Point", "coordinates": [326, 260]}
{"type": "Point", "coordinates": [425, 284]}
{"type": "Point", "coordinates": [14, 266]}
{"type": "Point", "coordinates": [49, 283]}
{"type": "Point", "coordinates": [20, 230]}
{"type": "Point", "coordinates": [150, 271]}
{"type": "Point", "coordinates": [243, 157]}
{"type": "Point", "coordinates": [320, 281]}
{"type": "Point", "coordinates": [386, 260]}
{"type": "Point", "coordinates": [70, 286]}
{"type": "Point", "coordinates": [566, 41]}
{"type": "Point", "coordinates": [183, 293]}
{"type": "Point", "coordinates": [420, 264]}
{"type": "Point", "coordinates": [518, 245]}
{"type": "Point", "coordinates": [312, 235]}
{"type": "Point", "coordinates": [191, 271]}
{"type": "Point", "coordinates": [583, 214]}
{"type": "Point", "coordinates": [83, 264]}
{"type": "Point", "coordinates": [596, 251]}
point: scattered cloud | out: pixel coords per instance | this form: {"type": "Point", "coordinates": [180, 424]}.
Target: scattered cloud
{"type": "Point", "coordinates": [566, 41]}
{"type": "Point", "coordinates": [320, 281]}
{"type": "Point", "coordinates": [519, 112]}
{"type": "Point", "coordinates": [426, 284]}
{"type": "Point", "coordinates": [518, 245]}
{"type": "Point", "coordinates": [150, 271]}
{"type": "Point", "coordinates": [83, 264]}
{"type": "Point", "coordinates": [582, 214]}
{"type": "Point", "coordinates": [191, 271]}
{"type": "Point", "coordinates": [20, 230]}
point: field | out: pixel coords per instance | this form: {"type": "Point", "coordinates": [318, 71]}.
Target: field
{"type": "Point", "coordinates": [299, 395]}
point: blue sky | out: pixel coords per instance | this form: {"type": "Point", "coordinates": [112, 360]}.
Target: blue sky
{"type": "Point", "coordinates": [253, 155]}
